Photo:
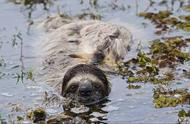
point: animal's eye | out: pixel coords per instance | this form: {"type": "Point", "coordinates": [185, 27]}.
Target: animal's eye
{"type": "Point", "coordinates": [73, 88]}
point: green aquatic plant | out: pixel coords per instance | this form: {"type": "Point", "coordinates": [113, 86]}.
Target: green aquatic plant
{"type": "Point", "coordinates": [153, 80]}
{"type": "Point", "coordinates": [17, 40]}
{"type": "Point", "coordinates": [165, 101]}
{"type": "Point", "coordinates": [187, 7]}
{"type": "Point", "coordinates": [155, 16]}
{"type": "Point", "coordinates": [183, 113]}
{"type": "Point", "coordinates": [143, 65]}
{"type": "Point", "coordinates": [168, 52]}
{"type": "Point", "coordinates": [28, 75]}
{"type": "Point", "coordinates": [170, 98]}
{"type": "Point", "coordinates": [184, 26]}
{"type": "Point", "coordinates": [31, 2]}
{"type": "Point", "coordinates": [131, 86]}
{"type": "Point", "coordinates": [164, 21]}
{"type": "Point", "coordinates": [139, 69]}
{"type": "Point", "coordinates": [183, 116]}
{"type": "Point", "coordinates": [163, 53]}
{"type": "Point", "coordinates": [38, 115]}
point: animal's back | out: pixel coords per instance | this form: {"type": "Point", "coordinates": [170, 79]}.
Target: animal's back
{"type": "Point", "coordinates": [69, 42]}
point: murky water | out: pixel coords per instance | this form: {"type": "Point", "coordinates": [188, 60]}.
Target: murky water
{"type": "Point", "coordinates": [125, 105]}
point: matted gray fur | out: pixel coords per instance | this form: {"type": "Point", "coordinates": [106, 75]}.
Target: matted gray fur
{"type": "Point", "coordinates": [66, 39]}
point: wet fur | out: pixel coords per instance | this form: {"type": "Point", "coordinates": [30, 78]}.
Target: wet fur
{"type": "Point", "coordinates": [70, 45]}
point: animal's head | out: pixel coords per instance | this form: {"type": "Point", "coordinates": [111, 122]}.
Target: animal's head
{"type": "Point", "coordinates": [86, 84]}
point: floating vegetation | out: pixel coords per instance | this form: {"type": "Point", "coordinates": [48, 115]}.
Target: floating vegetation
{"type": "Point", "coordinates": [170, 98]}
{"type": "Point", "coordinates": [187, 7]}
{"type": "Point", "coordinates": [37, 115]}
{"type": "Point", "coordinates": [182, 113]}
{"type": "Point", "coordinates": [140, 69]}
{"type": "Point", "coordinates": [30, 75]}
{"type": "Point", "coordinates": [184, 116]}
{"type": "Point", "coordinates": [164, 53]}
{"type": "Point", "coordinates": [40, 116]}
{"type": "Point", "coordinates": [30, 3]}
{"type": "Point", "coordinates": [142, 64]}
{"type": "Point", "coordinates": [145, 79]}
{"type": "Point", "coordinates": [168, 52]}
{"type": "Point", "coordinates": [131, 86]}
{"type": "Point", "coordinates": [164, 21]}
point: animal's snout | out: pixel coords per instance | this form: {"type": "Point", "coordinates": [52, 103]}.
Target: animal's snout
{"type": "Point", "coordinates": [85, 92]}
{"type": "Point", "coordinates": [85, 89]}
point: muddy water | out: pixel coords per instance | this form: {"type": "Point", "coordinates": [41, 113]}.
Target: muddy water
{"type": "Point", "coordinates": [125, 105]}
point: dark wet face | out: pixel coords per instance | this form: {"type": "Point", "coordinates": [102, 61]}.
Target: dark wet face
{"type": "Point", "coordinates": [85, 91]}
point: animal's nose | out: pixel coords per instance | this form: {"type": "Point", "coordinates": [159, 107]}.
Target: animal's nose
{"type": "Point", "coordinates": [85, 90]}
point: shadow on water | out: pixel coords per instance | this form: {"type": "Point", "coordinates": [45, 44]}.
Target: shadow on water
{"type": "Point", "coordinates": [153, 82]}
